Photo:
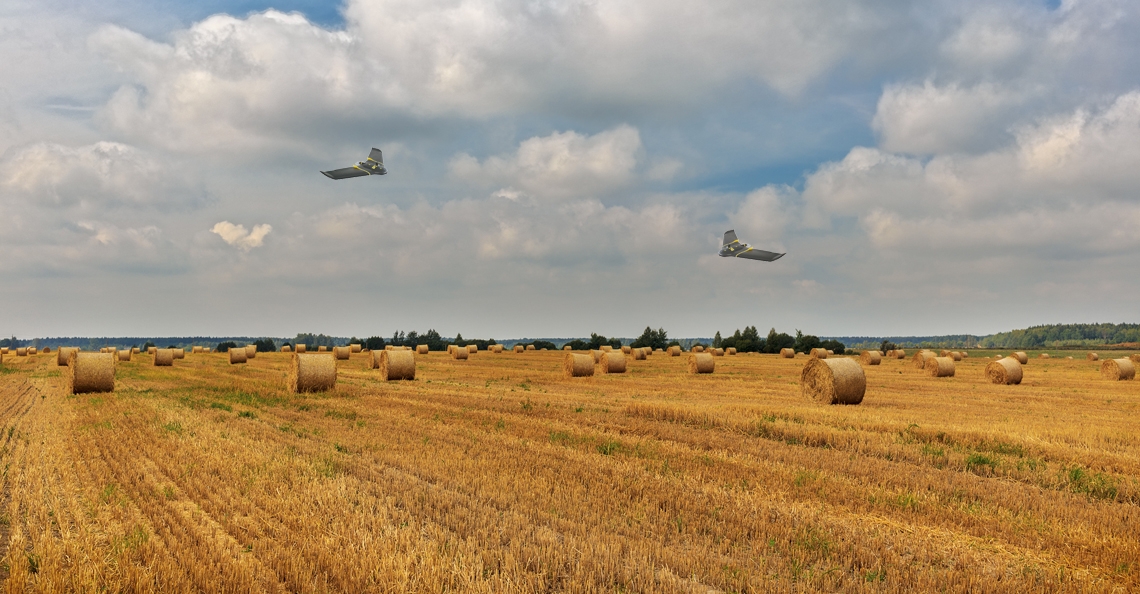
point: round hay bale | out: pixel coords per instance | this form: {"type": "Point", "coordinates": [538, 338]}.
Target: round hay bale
{"type": "Point", "coordinates": [450, 349]}
{"type": "Point", "coordinates": [1005, 371]}
{"type": "Point", "coordinates": [597, 355]}
{"type": "Point", "coordinates": [518, 348]}
{"type": "Point", "coordinates": [21, 351]}
{"type": "Point", "coordinates": [459, 354]}
{"type": "Point", "coordinates": [472, 348]}
{"type": "Point", "coordinates": [648, 351]}
{"type": "Point", "coordinates": [566, 347]}
{"type": "Point", "coordinates": [612, 362]}
{"type": "Point", "coordinates": [955, 355]}
{"type": "Point", "coordinates": [639, 354]}
{"type": "Point", "coordinates": [322, 349]}
{"type": "Point", "coordinates": [250, 351]}
{"type": "Point", "coordinates": [498, 348]}
{"type": "Point", "coordinates": [530, 347]}
{"type": "Point", "coordinates": [606, 348]}
{"type": "Point", "coordinates": [1069, 358]}
{"type": "Point", "coordinates": [1092, 357]}
{"type": "Point", "coordinates": [920, 358]}
{"type": "Point", "coordinates": [833, 381]}
{"type": "Point", "coordinates": [1043, 356]}
{"type": "Point", "coordinates": [299, 348]}
{"type": "Point", "coordinates": [125, 355]}
{"type": "Point", "coordinates": [32, 350]}
{"type": "Point", "coordinates": [871, 357]}
{"type": "Point", "coordinates": [3, 350]}
{"type": "Point", "coordinates": [1134, 358]}
{"type": "Point", "coordinates": [819, 353]}
{"type": "Point", "coordinates": [342, 353]}
{"type": "Point", "coordinates": [674, 351]}
{"type": "Point", "coordinates": [179, 353]}
{"type": "Point", "coordinates": [900, 354]}
{"type": "Point", "coordinates": [626, 349]}
{"type": "Point", "coordinates": [788, 353]}
{"type": "Point", "coordinates": [718, 352]}
{"type": "Point", "coordinates": [658, 350]}
{"type": "Point", "coordinates": [312, 373]}
{"type": "Point", "coordinates": [701, 363]}
{"type": "Point", "coordinates": [940, 366]}
{"type": "Point", "coordinates": [46, 351]}
{"type": "Point", "coordinates": [150, 350]}
{"type": "Point", "coordinates": [394, 365]}
{"type": "Point", "coordinates": [575, 365]}
{"type": "Point", "coordinates": [697, 349]}
{"type": "Point", "coordinates": [730, 351]}
{"type": "Point", "coordinates": [965, 354]}
{"type": "Point", "coordinates": [944, 353]}
{"type": "Point", "coordinates": [91, 372]}
{"type": "Point", "coordinates": [356, 348]}
{"type": "Point", "coordinates": [1021, 357]}
{"type": "Point", "coordinates": [389, 347]}
{"type": "Point", "coordinates": [163, 357]}
{"type": "Point", "coordinates": [62, 354]}
{"type": "Point", "coordinates": [421, 349]}
{"type": "Point", "coordinates": [1118, 369]}
{"type": "Point", "coordinates": [194, 350]}
{"type": "Point", "coordinates": [830, 352]}
{"type": "Point", "coordinates": [286, 348]}
{"type": "Point", "coordinates": [238, 355]}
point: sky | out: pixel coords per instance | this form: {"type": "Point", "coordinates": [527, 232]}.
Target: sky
{"type": "Point", "coordinates": [562, 167]}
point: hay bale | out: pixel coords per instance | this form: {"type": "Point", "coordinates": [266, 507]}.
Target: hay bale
{"type": "Point", "coordinates": [250, 351]}
{"type": "Point", "coordinates": [238, 355]}
{"type": "Point", "coordinates": [286, 348]}
{"type": "Point", "coordinates": [1021, 357]}
{"type": "Point", "coordinates": [1118, 369]}
{"type": "Point", "coordinates": [597, 355]}
{"type": "Point", "coordinates": [389, 347]}
{"type": "Point", "coordinates": [3, 350]}
{"type": "Point", "coordinates": [518, 348]}
{"type": "Point", "coordinates": [730, 351]}
{"type": "Point", "coordinates": [312, 373]}
{"type": "Point", "coordinates": [696, 348]}
{"type": "Point", "coordinates": [163, 357]}
{"type": "Point", "coordinates": [940, 366]}
{"type": "Point", "coordinates": [1005, 371]}
{"type": "Point", "coordinates": [459, 354]}
{"type": "Point", "coordinates": [530, 347]}
{"type": "Point", "coordinates": [606, 348]}
{"type": "Point", "coordinates": [701, 363]}
{"type": "Point", "coordinates": [648, 351]}
{"type": "Point", "coordinates": [944, 353]}
{"type": "Point", "coordinates": [46, 351]}
{"type": "Point", "coordinates": [21, 351]}
{"type": "Point", "coordinates": [612, 362]}
{"type": "Point", "coordinates": [194, 350]}
{"type": "Point", "coordinates": [819, 353]}
{"type": "Point", "coordinates": [833, 381]}
{"type": "Point", "coordinates": [639, 354]}
{"type": "Point", "coordinates": [1092, 357]}
{"type": "Point", "coordinates": [566, 347]}
{"type": "Point", "coordinates": [965, 354]}
{"type": "Point", "coordinates": [955, 355]}
{"type": "Point", "coordinates": [299, 348]}
{"type": "Point", "coordinates": [871, 357]}
{"type": "Point", "coordinates": [179, 353]}
{"type": "Point", "coordinates": [718, 352]}
{"type": "Point", "coordinates": [787, 353]}
{"type": "Point", "coordinates": [626, 349]}
{"type": "Point", "coordinates": [150, 350]}
{"type": "Point", "coordinates": [920, 358]}
{"type": "Point", "coordinates": [1134, 358]}
{"type": "Point", "coordinates": [356, 348]}
{"type": "Point", "coordinates": [322, 349]}
{"type": "Point", "coordinates": [575, 365]}
{"type": "Point", "coordinates": [342, 353]}
{"type": "Point", "coordinates": [472, 348]}
{"type": "Point", "coordinates": [124, 355]}
{"type": "Point", "coordinates": [421, 349]}
{"type": "Point", "coordinates": [1043, 356]}
{"type": "Point", "coordinates": [32, 351]}
{"type": "Point", "coordinates": [91, 372]}
{"type": "Point", "coordinates": [394, 365]}
{"type": "Point", "coordinates": [900, 354]}
{"type": "Point", "coordinates": [62, 354]}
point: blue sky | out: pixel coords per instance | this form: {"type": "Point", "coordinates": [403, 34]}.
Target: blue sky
{"type": "Point", "coordinates": [563, 167]}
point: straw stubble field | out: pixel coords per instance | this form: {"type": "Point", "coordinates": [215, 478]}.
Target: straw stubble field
{"type": "Point", "coordinates": [499, 474]}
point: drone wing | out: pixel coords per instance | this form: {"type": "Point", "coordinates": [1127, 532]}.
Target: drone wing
{"type": "Point", "coordinates": [755, 254]}
{"type": "Point", "coordinates": [345, 173]}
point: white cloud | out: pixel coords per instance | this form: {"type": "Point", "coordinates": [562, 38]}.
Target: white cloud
{"type": "Point", "coordinates": [237, 236]}
{"type": "Point", "coordinates": [926, 119]}
{"type": "Point", "coordinates": [559, 165]}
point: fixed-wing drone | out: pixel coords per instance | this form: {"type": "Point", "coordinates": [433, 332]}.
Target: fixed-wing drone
{"type": "Point", "coordinates": [374, 165]}
{"type": "Point", "coordinates": [732, 248]}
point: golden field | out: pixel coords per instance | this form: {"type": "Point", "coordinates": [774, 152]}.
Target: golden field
{"type": "Point", "coordinates": [498, 474]}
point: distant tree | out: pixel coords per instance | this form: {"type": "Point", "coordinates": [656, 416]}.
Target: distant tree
{"type": "Point", "coordinates": [655, 339]}
{"type": "Point", "coordinates": [834, 345]}
{"type": "Point", "coordinates": [314, 340]}
{"type": "Point", "coordinates": [171, 347]}
{"type": "Point", "coordinates": [265, 345]}
{"type": "Point", "coordinates": [716, 340]}
{"type": "Point", "coordinates": [147, 345]}
{"type": "Point", "coordinates": [806, 342]}
{"type": "Point", "coordinates": [544, 344]}
{"type": "Point", "coordinates": [459, 340]}
{"type": "Point", "coordinates": [888, 346]}
{"type": "Point", "coordinates": [673, 343]}
{"type": "Point", "coordinates": [750, 337]}
{"type": "Point", "coordinates": [577, 344]}
{"type": "Point", "coordinates": [374, 343]}
{"type": "Point", "coordinates": [224, 347]}
{"type": "Point", "coordinates": [777, 341]}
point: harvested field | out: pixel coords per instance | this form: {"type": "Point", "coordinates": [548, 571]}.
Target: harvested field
{"type": "Point", "coordinates": [499, 474]}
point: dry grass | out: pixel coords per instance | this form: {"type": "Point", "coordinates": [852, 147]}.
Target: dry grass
{"type": "Point", "coordinates": [502, 475]}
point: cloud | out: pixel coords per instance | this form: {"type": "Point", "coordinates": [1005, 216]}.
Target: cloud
{"type": "Point", "coordinates": [559, 165]}
{"type": "Point", "coordinates": [237, 236]}
{"type": "Point", "coordinates": [926, 119]}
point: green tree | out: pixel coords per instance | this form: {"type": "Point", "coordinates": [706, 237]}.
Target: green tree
{"type": "Point", "coordinates": [716, 340]}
